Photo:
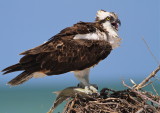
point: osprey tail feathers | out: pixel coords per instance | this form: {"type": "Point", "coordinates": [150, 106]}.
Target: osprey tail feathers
{"type": "Point", "coordinates": [21, 78]}
{"type": "Point", "coordinates": [13, 68]}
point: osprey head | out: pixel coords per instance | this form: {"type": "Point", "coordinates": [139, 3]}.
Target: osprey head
{"type": "Point", "coordinates": [110, 19]}
{"type": "Point", "coordinates": [110, 23]}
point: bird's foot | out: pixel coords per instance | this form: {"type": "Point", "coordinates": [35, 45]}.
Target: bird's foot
{"type": "Point", "coordinates": [90, 90]}
{"type": "Point", "coordinates": [80, 85]}
{"type": "Point", "coordinates": [95, 86]}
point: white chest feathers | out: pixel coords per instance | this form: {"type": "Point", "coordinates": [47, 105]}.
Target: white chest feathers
{"type": "Point", "coordinates": [112, 37]}
{"type": "Point", "coordinates": [98, 35]}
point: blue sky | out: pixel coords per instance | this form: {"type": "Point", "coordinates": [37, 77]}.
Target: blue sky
{"type": "Point", "coordinates": [25, 24]}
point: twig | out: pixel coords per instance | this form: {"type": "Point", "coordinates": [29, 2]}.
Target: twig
{"type": "Point", "coordinates": [140, 110]}
{"type": "Point", "coordinates": [139, 86]}
{"type": "Point", "coordinates": [157, 78]}
{"type": "Point", "coordinates": [139, 93]}
{"type": "Point", "coordinates": [154, 90]}
{"type": "Point", "coordinates": [154, 57]}
{"type": "Point", "coordinates": [147, 84]}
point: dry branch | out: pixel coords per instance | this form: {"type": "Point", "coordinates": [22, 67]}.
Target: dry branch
{"type": "Point", "coordinates": [142, 84]}
{"type": "Point", "coordinates": [141, 94]}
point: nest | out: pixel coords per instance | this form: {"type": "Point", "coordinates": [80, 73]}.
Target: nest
{"type": "Point", "coordinates": [111, 101]}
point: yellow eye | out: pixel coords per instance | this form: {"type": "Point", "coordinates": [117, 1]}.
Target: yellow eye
{"type": "Point", "coordinates": [108, 18]}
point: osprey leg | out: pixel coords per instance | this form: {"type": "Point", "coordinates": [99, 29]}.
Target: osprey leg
{"type": "Point", "coordinates": [83, 77]}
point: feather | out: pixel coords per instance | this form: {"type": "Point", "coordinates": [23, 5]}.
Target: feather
{"type": "Point", "coordinates": [16, 67]}
{"type": "Point", "coordinates": [21, 78]}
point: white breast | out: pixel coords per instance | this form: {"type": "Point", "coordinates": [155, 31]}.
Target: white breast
{"type": "Point", "coordinates": [112, 38]}
{"type": "Point", "coordinates": [114, 41]}
{"type": "Point", "coordinates": [98, 35]}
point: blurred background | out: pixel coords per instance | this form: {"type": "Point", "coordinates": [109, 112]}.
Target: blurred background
{"type": "Point", "coordinates": [25, 24]}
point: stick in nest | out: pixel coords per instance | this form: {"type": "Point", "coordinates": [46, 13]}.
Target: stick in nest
{"type": "Point", "coordinates": [139, 86]}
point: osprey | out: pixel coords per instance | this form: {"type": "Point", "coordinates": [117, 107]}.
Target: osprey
{"type": "Point", "coordinates": [75, 49]}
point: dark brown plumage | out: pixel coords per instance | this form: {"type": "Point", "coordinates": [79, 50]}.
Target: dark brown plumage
{"type": "Point", "coordinates": [62, 54]}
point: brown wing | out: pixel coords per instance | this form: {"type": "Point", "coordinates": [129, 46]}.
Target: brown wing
{"type": "Point", "coordinates": [63, 54]}
{"type": "Point", "coordinates": [69, 55]}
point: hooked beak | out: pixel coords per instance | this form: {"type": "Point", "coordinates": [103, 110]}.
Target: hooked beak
{"type": "Point", "coordinates": [119, 22]}
{"type": "Point", "coordinates": [116, 24]}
